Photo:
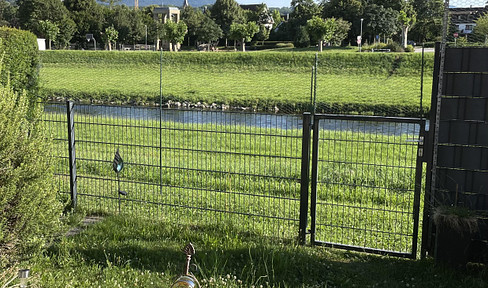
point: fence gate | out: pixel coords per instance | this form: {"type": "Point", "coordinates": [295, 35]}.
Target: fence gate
{"type": "Point", "coordinates": [366, 183]}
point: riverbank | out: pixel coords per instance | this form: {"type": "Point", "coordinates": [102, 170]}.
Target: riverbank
{"type": "Point", "coordinates": [379, 84]}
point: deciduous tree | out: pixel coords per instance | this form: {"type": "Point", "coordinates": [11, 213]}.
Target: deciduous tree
{"type": "Point", "coordinates": [243, 32]}
{"type": "Point", "coordinates": [381, 20]}
{"type": "Point", "coordinates": [208, 31]}
{"type": "Point", "coordinates": [89, 19]}
{"type": "Point", "coordinates": [111, 35]}
{"type": "Point", "coordinates": [174, 33]}
{"type": "Point", "coordinates": [481, 27]}
{"type": "Point", "coordinates": [321, 30]}
{"type": "Point", "coordinates": [31, 12]}
{"type": "Point", "coordinates": [49, 30]}
{"type": "Point", "coordinates": [407, 18]}
{"type": "Point", "coordinates": [225, 13]}
{"type": "Point", "coordinates": [429, 20]}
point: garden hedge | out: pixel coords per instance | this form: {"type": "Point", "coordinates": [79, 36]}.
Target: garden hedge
{"type": "Point", "coordinates": [20, 59]}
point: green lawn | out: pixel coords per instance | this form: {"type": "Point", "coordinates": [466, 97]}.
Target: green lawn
{"type": "Point", "coordinates": [123, 251]}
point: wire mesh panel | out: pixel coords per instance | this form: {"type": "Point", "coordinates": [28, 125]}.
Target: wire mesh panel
{"type": "Point", "coordinates": [55, 123]}
{"type": "Point", "coordinates": [191, 165]}
{"type": "Point", "coordinates": [365, 183]}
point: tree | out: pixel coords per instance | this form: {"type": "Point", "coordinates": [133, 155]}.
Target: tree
{"type": "Point", "coordinates": [381, 20]}
{"type": "Point", "coordinates": [321, 30]}
{"type": "Point", "coordinates": [225, 13]}
{"type": "Point", "coordinates": [407, 18]}
{"type": "Point", "coordinates": [349, 10]}
{"type": "Point", "coordinates": [340, 33]}
{"type": "Point", "coordinates": [111, 35]}
{"type": "Point", "coordinates": [276, 18]}
{"type": "Point", "coordinates": [481, 27]}
{"type": "Point", "coordinates": [429, 19]}
{"type": "Point", "coordinates": [8, 14]}
{"type": "Point", "coordinates": [89, 19]}
{"type": "Point", "coordinates": [193, 19]}
{"type": "Point", "coordinates": [304, 10]}
{"type": "Point", "coordinates": [264, 19]}
{"type": "Point", "coordinates": [67, 29]}
{"type": "Point", "coordinates": [119, 17]}
{"type": "Point", "coordinates": [208, 31]}
{"type": "Point", "coordinates": [243, 32]}
{"type": "Point", "coordinates": [49, 30]}
{"type": "Point", "coordinates": [31, 12]}
{"type": "Point", "coordinates": [174, 33]}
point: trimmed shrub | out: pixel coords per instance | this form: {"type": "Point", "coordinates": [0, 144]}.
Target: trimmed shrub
{"type": "Point", "coordinates": [29, 209]}
{"type": "Point", "coordinates": [20, 59]}
{"type": "Point", "coordinates": [410, 48]}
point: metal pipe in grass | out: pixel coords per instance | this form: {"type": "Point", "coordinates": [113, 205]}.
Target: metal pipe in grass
{"type": "Point", "coordinates": [187, 279]}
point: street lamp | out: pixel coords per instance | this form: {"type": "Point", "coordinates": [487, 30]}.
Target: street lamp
{"type": "Point", "coordinates": [361, 36]}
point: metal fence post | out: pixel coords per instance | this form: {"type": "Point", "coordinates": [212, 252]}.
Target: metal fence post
{"type": "Point", "coordinates": [72, 153]}
{"type": "Point", "coordinates": [305, 176]}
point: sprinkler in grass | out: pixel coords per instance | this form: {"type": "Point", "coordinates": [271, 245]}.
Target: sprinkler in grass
{"type": "Point", "coordinates": [187, 279]}
{"type": "Point", "coordinates": [117, 166]}
{"type": "Point", "coordinates": [23, 276]}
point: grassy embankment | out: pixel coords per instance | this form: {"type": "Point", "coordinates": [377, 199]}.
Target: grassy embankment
{"type": "Point", "coordinates": [383, 83]}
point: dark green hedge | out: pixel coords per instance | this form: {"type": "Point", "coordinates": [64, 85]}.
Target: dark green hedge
{"type": "Point", "coordinates": [20, 59]}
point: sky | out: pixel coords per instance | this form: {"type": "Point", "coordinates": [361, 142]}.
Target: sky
{"type": "Point", "coordinates": [269, 3]}
{"type": "Point", "coordinates": [467, 3]}
{"type": "Point", "coordinates": [286, 3]}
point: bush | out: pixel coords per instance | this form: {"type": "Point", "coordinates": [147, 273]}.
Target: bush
{"type": "Point", "coordinates": [20, 59]}
{"type": "Point", "coordinates": [30, 212]}
{"type": "Point", "coordinates": [409, 48]}
{"type": "Point", "coordinates": [394, 47]}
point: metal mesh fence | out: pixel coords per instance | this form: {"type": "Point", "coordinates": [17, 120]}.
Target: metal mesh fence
{"type": "Point", "coordinates": [367, 188]}
{"type": "Point", "coordinates": [186, 165]}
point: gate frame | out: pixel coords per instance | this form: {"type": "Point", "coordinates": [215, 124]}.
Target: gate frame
{"type": "Point", "coordinates": [417, 190]}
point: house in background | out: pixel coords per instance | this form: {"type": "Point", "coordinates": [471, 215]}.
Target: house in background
{"type": "Point", "coordinates": [464, 18]}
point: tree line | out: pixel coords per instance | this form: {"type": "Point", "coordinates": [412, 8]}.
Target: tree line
{"type": "Point", "coordinates": [337, 22]}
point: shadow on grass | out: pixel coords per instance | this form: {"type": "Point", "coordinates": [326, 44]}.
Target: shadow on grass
{"type": "Point", "coordinates": [228, 256]}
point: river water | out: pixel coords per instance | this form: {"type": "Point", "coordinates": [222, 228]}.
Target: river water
{"type": "Point", "coordinates": [274, 121]}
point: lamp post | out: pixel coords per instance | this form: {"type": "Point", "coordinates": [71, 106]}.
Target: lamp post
{"type": "Point", "coordinates": [361, 36]}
